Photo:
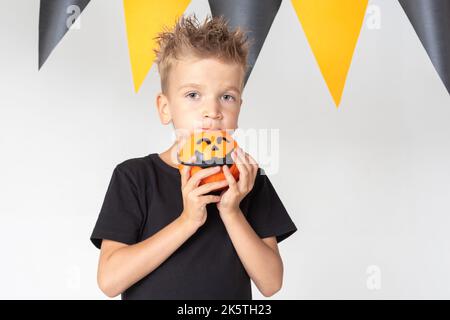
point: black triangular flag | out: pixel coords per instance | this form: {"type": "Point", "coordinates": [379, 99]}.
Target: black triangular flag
{"type": "Point", "coordinates": [55, 18]}
{"type": "Point", "coordinates": [254, 16]}
{"type": "Point", "coordinates": [431, 21]}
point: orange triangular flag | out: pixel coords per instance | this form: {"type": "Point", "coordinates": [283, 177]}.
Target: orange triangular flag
{"type": "Point", "coordinates": [332, 28]}
{"type": "Point", "coordinates": [144, 20]}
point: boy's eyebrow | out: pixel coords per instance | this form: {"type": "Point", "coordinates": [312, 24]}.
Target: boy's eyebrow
{"type": "Point", "coordinates": [233, 88]}
{"type": "Point", "coordinates": [199, 86]}
{"type": "Point", "coordinates": [190, 85]}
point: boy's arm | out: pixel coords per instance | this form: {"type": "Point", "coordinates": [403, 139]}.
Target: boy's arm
{"type": "Point", "coordinates": [260, 257]}
{"type": "Point", "coordinates": [122, 265]}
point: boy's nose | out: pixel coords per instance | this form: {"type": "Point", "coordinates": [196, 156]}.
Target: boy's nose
{"type": "Point", "coordinates": [212, 112]}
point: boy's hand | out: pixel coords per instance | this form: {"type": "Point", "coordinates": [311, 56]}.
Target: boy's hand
{"type": "Point", "coordinates": [231, 198]}
{"type": "Point", "coordinates": [194, 200]}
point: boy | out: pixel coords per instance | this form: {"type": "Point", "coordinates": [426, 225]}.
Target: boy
{"type": "Point", "coordinates": [161, 235]}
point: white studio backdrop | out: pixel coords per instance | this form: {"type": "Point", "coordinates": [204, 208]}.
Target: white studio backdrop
{"type": "Point", "coordinates": [367, 184]}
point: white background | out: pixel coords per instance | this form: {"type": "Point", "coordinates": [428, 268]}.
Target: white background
{"type": "Point", "coordinates": [367, 184]}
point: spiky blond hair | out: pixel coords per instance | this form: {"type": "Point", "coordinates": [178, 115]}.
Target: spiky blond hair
{"type": "Point", "coordinates": [212, 38]}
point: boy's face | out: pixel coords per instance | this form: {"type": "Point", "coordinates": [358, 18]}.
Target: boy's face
{"type": "Point", "coordinates": [202, 93]}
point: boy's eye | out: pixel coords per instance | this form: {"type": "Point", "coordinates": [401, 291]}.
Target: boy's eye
{"type": "Point", "coordinates": [192, 95]}
{"type": "Point", "coordinates": [228, 97]}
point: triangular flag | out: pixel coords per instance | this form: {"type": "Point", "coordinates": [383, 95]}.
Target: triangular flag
{"type": "Point", "coordinates": [431, 20]}
{"type": "Point", "coordinates": [144, 20]}
{"type": "Point", "coordinates": [332, 28]}
{"type": "Point", "coordinates": [254, 16]}
{"type": "Point", "coordinates": [55, 18]}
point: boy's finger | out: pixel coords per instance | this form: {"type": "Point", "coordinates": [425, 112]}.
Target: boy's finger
{"type": "Point", "coordinates": [228, 176]}
{"type": "Point", "coordinates": [253, 164]}
{"type": "Point", "coordinates": [185, 174]}
{"type": "Point", "coordinates": [243, 156]}
{"type": "Point", "coordinates": [209, 199]}
{"type": "Point", "coordinates": [207, 187]}
{"type": "Point", "coordinates": [245, 161]}
{"type": "Point", "coordinates": [234, 156]}
{"type": "Point", "coordinates": [248, 160]}
{"type": "Point", "coordinates": [251, 169]}
{"type": "Point", "coordinates": [199, 175]}
{"type": "Point", "coordinates": [251, 159]}
{"type": "Point", "coordinates": [242, 167]}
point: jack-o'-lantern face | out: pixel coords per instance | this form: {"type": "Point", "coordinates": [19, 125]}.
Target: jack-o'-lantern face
{"type": "Point", "coordinates": [210, 148]}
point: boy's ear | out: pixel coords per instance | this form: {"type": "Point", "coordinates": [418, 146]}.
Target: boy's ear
{"type": "Point", "coordinates": [162, 104]}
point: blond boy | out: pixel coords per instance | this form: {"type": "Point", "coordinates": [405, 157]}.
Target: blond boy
{"type": "Point", "coordinates": [161, 234]}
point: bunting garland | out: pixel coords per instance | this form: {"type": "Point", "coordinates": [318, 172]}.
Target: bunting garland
{"type": "Point", "coordinates": [331, 27]}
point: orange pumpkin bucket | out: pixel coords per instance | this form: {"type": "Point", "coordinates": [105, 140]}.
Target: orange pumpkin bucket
{"type": "Point", "coordinates": [210, 148]}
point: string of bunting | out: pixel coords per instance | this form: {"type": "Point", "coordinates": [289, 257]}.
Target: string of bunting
{"type": "Point", "coordinates": [332, 28]}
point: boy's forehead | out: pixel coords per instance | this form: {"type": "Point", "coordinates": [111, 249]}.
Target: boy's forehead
{"type": "Point", "coordinates": [202, 72]}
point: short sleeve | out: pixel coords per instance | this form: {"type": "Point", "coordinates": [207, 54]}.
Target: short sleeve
{"type": "Point", "coordinates": [266, 213]}
{"type": "Point", "coordinates": [120, 216]}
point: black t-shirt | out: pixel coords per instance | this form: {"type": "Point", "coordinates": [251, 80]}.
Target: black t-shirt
{"type": "Point", "coordinates": [144, 195]}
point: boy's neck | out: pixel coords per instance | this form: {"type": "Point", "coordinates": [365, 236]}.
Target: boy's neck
{"type": "Point", "coordinates": [170, 155]}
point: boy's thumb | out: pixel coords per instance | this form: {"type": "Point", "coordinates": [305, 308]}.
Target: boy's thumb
{"type": "Point", "coordinates": [187, 168]}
